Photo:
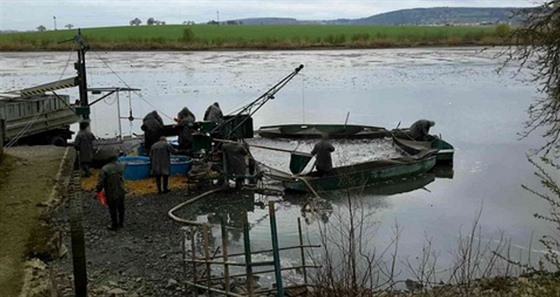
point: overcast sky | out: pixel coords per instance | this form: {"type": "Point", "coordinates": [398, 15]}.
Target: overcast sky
{"type": "Point", "coordinates": [26, 15]}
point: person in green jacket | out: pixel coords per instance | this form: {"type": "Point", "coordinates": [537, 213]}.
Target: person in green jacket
{"type": "Point", "coordinates": [185, 122]}
{"type": "Point", "coordinates": [420, 130]}
{"type": "Point", "coordinates": [112, 181]}
{"type": "Point", "coordinates": [322, 151]}
{"type": "Point", "coordinates": [235, 160]}
{"type": "Point", "coordinates": [84, 145]}
{"type": "Point", "coordinates": [160, 157]}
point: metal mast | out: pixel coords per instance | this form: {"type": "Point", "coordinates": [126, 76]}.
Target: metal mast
{"type": "Point", "coordinates": [80, 67]}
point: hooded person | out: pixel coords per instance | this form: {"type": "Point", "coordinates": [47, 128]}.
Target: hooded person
{"type": "Point", "coordinates": [112, 181]}
{"type": "Point", "coordinates": [185, 121]}
{"type": "Point", "coordinates": [213, 113]}
{"type": "Point", "coordinates": [160, 157]}
{"type": "Point", "coordinates": [84, 145]}
{"type": "Point", "coordinates": [322, 151]}
{"type": "Point", "coordinates": [236, 164]}
{"type": "Point", "coordinates": [420, 130]}
{"type": "Point", "coordinates": [151, 125]}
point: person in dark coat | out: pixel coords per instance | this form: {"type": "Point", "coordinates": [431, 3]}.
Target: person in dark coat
{"type": "Point", "coordinates": [160, 157]}
{"type": "Point", "coordinates": [185, 122]}
{"type": "Point", "coordinates": [112, 181]}
{"type": "Point", "coordinates": [151, 125]}
{"type": "Point", "coordinates": [236, 164]}
{"type": "Point", "coordinates": [322, 150]}
{"type": "Point", "coordinates": [213, 113]}
{"type": "Point", "coordinates": [84, 145]}
{"type": "Point", "coordinates": [420, 130]}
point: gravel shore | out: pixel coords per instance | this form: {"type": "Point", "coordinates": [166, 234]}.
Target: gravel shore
{"type": "Point", "coordinates": [142, 259]}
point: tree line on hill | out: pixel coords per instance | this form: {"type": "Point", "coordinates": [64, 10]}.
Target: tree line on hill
{"type": "Point", "coordinates": [150, 22]}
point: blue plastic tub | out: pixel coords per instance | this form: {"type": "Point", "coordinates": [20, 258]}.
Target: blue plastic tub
{"type": "Point", "coordinates": [180, 165]}
{"type": "Point", "coordinates": [136, 167]}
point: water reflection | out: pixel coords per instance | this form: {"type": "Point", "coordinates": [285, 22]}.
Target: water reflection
{"type": "Point", "coordinates": [229, 206]}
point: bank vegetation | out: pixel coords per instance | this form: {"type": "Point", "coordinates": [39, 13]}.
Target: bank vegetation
{"type": "Point", "coordinates": [258, 37]}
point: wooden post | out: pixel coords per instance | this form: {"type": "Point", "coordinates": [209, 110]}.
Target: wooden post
{"type": "Point", "coordinates": [247, 248]}
{"type": "Point", "coordinates": [184, 251]}
{"type": "Point", "coordinates": [225, 254]}
{"type": "Point", "coordinates": [77, 233]}
{"type": "Point", "coordinates": [207, 257]}
{"type": "Point", "coordinates": [193, 258]}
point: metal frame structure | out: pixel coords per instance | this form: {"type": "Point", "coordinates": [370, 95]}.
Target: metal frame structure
{"type": "Point", "coordinates": [254, 106]}
{"type": "Point", "coordinates": [202, 279]}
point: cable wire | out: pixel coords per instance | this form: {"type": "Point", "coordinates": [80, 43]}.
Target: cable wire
{"type": "Point", "coordinates": [128, 86]}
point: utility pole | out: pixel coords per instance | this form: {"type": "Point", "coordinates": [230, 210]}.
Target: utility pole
{"type": "Point", "coordinates": [218, 17]}
{"type": "Point", "coordinates": [54, 20]}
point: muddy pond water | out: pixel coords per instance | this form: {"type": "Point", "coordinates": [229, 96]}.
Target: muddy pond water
{"type": "Point", "coordinates": [476, 109]}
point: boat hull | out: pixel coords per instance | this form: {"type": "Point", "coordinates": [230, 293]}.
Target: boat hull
{"type": "Point", "coordinates": [314, 131]}
{"type": "Point", "coordinates": [445, 151]}
{"type": "Point", "coordinates": [363, 174]}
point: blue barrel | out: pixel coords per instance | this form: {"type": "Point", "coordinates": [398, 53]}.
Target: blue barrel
{"type": "Point", "coordinates": [180, 165]}
{"type": "Point", "coordinates": [136, 167]}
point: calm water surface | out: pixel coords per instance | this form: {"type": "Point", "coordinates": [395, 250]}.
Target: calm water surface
{"type": "Point", "coordinates": [477, 110]}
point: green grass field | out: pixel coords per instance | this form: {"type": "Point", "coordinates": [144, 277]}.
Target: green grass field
{"type": "Point", "coordinates": [201, 37]}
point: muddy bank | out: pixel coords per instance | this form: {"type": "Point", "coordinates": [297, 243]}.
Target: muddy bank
{"type": "Point", "coordinates": [33, 183]}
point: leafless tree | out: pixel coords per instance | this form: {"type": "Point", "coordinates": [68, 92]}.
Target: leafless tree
{"type": "Point", "coordinates": [69, 26]}
{"type": "Point", "coordinates": [536, 46]}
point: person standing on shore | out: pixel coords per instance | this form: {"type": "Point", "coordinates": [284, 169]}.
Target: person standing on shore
{"type": "Point", "coordinates": [160, 157]}
{"type": "Point", "coordinates": [84, 145]}
{"type": "Point", "coordinates": [112, 181]}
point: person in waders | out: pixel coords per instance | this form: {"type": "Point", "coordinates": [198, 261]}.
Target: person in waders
{"type": "Point", "coordinates": [322, 151]}
{"type": "Point", "coordinates": [112, 181]}
{"type": "Point", "coordinates": [160, 157]}
{"type": "Point", "coordinates": [420, 130]}
{"type": "Point", "coordinates": [84, 145]}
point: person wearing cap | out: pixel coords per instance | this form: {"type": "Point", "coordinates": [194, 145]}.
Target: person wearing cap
{"type": "Point", "coordinates": [160, 157]}
{"type": "Point", "coordinates": [84, 145]}
{"type": "Point", "coordinates": [322, 151]}
{"type": "Point", "coordinates": [213, 113]}
{"type": "Point", "coordinates": [420, 130]}
{"type": "Point", "coordinates": [112, 181]}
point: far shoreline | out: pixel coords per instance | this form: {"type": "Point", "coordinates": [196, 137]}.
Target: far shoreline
{"type": "Point", "coordinates": [254, 49]}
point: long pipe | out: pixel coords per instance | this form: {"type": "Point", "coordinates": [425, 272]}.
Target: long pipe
{"type": "Point", "coordinates": [192, 223]}
{"type": "Point", "coordinates": [261, 146]}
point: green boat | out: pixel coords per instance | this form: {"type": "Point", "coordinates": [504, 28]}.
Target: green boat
{"type": "Point", "coordinates": [445, 151]}
{"type": "Point", "coordinates": [314, 131]}
{"type": "Point", "coordinates": [363, 174]}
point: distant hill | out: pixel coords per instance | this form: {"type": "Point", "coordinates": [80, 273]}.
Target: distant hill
{"type": "Point", "coordinates": [440, 16]}
{"type": "Point", "coordinates": [415, 16]}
